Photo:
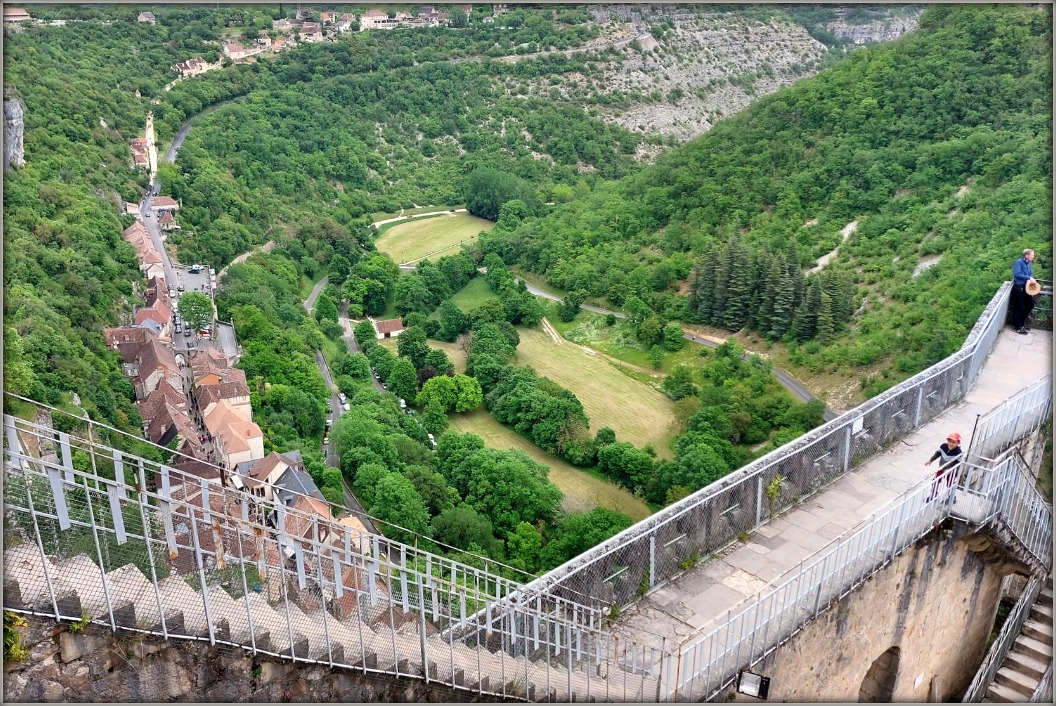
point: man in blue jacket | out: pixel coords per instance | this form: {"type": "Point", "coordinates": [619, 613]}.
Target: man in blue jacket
{"type": "Point", "coordinates": [1022, 303]}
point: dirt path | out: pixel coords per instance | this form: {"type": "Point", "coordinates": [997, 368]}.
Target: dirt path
{"type": "Point", "coordinates": [829, 256]}
{"type": "Point", "coordinates": [549, 329]}
{"type": "Point", "coordinates": [266, 247]}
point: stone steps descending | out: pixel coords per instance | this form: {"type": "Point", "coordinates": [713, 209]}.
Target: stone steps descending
{"type": "Point", "coordinates": [83, 590]}
{"type": "Point", "coordinates": [1030, 655]}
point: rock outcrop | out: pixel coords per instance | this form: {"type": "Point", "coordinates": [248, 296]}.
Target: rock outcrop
{"type": "Point", "coordinates": [14, 155]}
{"type": "Point", "coordinates": [871, 32]}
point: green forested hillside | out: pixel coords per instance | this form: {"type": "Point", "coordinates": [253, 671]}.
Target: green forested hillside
{"type": "Point", "coordinates": [886, 137]}
{"type": "Point", "coordinates": [67, 271]}
{"type": "Point", "coordinates": [331, 128]}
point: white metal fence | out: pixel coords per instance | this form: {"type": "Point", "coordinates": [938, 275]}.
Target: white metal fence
{"type": "Point", "coordinates": [659, 548]}
{"type": "Point", "coordinates": [96, 533]}
{"type": "Point", "coordinates": [1009, 632]}
{"type": "Point", "coordinates": [1020, 415]}
{"type": "Point", "coordinates": [1005, 494]}
{"type": "Point", "coordinates": [181, 557]}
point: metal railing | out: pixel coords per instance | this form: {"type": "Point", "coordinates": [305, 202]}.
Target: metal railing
{"type": "Point", "coordinates": [708, 665]}
{"type": "Point", "coordinates": [1020, 415]}
{"type": "Point", "coordinates": [661, 547]}
{"type": "Point", "coordinates": [1043, 691]}
{"type": "Point", "coordinates": [130, 543]}
{"type": "Point", "coordinates": [1012, 628]}
{"type": "Point", "coordinates": [306, 590]}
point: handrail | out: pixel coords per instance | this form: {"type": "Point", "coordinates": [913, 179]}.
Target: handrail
{"type": "Point", "coordinates": [652, 552]}
{"type": "Point", "coordinates": [760, 625]}
{"type": "Point", "coordinates": [995, 657]}
{"type": "Point", "coordinates": [1043, 691]}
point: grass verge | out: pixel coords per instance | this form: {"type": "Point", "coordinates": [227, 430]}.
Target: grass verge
{"type": "Point", "coordinates": [583, 491]}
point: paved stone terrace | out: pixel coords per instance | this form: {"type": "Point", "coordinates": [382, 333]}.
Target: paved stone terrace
{"type": "Point", "coordinates": [691, 605]}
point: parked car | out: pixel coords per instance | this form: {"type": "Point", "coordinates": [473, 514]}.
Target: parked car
{"type": "Point", "coordinates": [341, 396]}
{"type": "Point", "coordinates": [347, 406]}
{"type": "Point", "coordinates": [187, 331]}
{"type": "Point", "coordinates": [195, 269]}
{"type": "Point", "coordinates": [179, 287]}
{"type": "Point", "coordinates": [177, 327]}
{"type": "Point", "coordinates": [403, 403]}
{"type": "Point", "coordinates": [172, 293]}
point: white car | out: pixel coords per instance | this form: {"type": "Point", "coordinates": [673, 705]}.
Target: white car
{"type": "Point", "coordinates": [403, 403]}
{"type": "Point", "coordinates": [341, 396]}
{"type": "Point", "coordinates": [347, 407]}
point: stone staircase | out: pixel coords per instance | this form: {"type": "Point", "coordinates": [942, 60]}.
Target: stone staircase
{"type": "Point", "coordinates": [250, 620]}
{"type": "Point", "coordinates": [1030, 656]}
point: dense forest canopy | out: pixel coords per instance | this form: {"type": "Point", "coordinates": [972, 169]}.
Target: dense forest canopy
{"type": "Point", "coordinates": [887, 138]}
{"type": "Point", "coordinates": [938, 144]}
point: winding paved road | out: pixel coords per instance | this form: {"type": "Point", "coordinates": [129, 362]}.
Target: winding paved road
{"type": "Point", "coordinates": [309, 303]}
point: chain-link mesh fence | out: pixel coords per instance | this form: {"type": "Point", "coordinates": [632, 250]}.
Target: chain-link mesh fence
{"type": "Point", "coordinates": [663, 546]}
{"type": "Point", "coordinates": [97, 534]}
{"type": "Point", "coordinates": [710, 663]}
{"type": "Point", "coordinates": [130, 542]}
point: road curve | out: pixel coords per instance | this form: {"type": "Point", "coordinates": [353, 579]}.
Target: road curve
{"type": "Point", "coordinates": [309, 303]}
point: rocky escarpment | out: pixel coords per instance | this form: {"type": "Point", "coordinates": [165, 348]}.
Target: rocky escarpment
{"type": "Point", "coordinates": [14, 155]}
{"type": "Point", "coordinates": [876, 31]}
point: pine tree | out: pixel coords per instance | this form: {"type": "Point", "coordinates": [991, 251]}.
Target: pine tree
{"type": "Point", "coordinates": [762, 288]}
{"type": "Point", "coordinates": [795, 270]}
{"type": "Point", "coordinates": [695, 278]}
{"type": "Point", "coordinates": [769, 283]}
{"type": "Point", "coordinates": [781, 304]}
{"type": "Point", "coordinates": [807, 315]}
{"type": "Point", "coordinates": [847, 297]}
{"type": "Point", "coordinates": [826, 327]}
{"type": "Point", "coordinates": [738, 287]}
{"type": "Point", "coordinates": [706, 289]}
{"type": "Point", "coordinates": [830, 284]}
{"type": "Point", "coordinates": [722, 283]}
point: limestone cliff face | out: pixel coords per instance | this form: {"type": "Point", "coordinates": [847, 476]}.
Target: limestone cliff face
{"type": "Point", "coordinates": [14, 155]}
{"type": "Point", "coordinates": [871, 32]}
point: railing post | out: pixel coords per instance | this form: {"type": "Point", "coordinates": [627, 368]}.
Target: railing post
{"type": "Point", "coordinates": [920, 404]}
{"type": "Point", "coordinates": [201, 576]}
{"type": "Point", "coordinates": [99, 553]}
{"type": "Point", "coordinates": [758, 499]}
{"type": "Point", "coordinates": [652, 559]}
{"type": "Point", "coordinates": [849, 442]}
{"type": "Point", "coordinates": [898, 531]}
{"type": "Point", "coordinates": [143, 504]}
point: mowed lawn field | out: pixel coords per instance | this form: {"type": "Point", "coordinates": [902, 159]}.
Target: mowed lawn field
{"type": "Point", "coordinates": [583, 492]}
{"type": "Point", "coordinates": [435, 236]}
{"type": "Point", "coordinates": [636, 411]}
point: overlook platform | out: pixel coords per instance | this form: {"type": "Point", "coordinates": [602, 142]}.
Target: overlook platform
{"type": "Point", "coordinates": [703, 596]}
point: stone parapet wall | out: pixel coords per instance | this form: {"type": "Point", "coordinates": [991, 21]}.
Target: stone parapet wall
{"type": "Point", "coordinates": [97, 665]}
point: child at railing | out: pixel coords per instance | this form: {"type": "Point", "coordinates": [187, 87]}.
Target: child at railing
{"type": "Point", "coordinates": [949, 454]}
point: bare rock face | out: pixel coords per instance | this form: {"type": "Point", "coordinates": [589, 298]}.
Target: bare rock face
{"type": "Point", "coordinates": [14, 155]}
{"type": "Point", "coordinates": [871, 32]}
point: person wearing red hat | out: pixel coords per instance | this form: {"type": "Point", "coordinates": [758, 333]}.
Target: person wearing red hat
{"type": "Point", "coordinates": [948, 454]}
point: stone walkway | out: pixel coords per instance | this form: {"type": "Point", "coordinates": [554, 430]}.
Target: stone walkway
{"type": "Point", "coordinates": [691, 605]}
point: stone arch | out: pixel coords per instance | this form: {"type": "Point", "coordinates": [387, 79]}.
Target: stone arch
{"type": "Point", "coordinates": [879, 683]}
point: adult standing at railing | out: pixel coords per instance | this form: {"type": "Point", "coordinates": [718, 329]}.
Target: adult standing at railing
{"type": "Point", "coordinates": [1024, 287]}
{"type": "Point", "coordinates": [948, 454]}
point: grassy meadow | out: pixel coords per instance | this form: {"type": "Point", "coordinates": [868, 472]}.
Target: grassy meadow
{"type": "Point", "coordinates": [432, 237]}
{"type": "Point", "coordinates": [582, 490]}
{"type": "Point", "coordinates": [636, 411]}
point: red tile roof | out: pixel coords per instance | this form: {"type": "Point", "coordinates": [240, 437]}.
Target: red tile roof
{"type": "Point", "coordinates": [388, 325]}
